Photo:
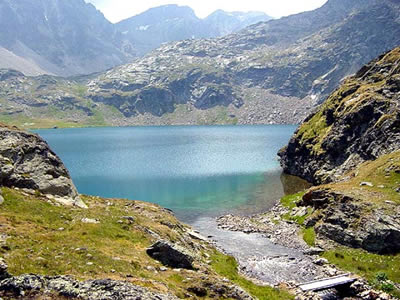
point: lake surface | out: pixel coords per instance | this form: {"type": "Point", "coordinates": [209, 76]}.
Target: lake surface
{"type": "Point", "coordinates": [199, 171]}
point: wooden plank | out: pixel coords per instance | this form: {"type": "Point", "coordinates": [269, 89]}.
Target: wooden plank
{"type": "Point", "coordinates": [323, 284]}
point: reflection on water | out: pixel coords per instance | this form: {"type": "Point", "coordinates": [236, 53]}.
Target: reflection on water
{"type": "Point", "coordinates": [199, 171]}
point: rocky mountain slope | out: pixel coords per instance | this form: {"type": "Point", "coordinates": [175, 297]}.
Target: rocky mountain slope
{"type": "Point", "coordinates": [359, 122]}
{"type": "Point", "coordinates": [351, 145]}
{"type": "Point", "coordinates": [298, 56]}
{"type": "Point", "coordinates": [148, 30]}
{"type": "Point", "coordinates": [71, 37]}
{"type": "Point", "coordinates": [268, 73]}
{"type": "Point", "coordinates": [60, 37]}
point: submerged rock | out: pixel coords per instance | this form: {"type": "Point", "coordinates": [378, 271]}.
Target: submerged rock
{"type": "Point", "coordinates": [26, 161]}
{"type": "Point", "coordinates": [171, 255]}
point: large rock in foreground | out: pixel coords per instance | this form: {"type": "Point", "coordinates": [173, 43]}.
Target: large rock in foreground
{"type": "Point", "coordinates": [359, 122]}
{"type": "Point", "coordinates": [66, 287]}
{"type": "Point", "coordinates": [351, 221]}
{"type": "Point", "coordinates": [171, 255]}
{"type": "Point", "coordinates": [26, 161]}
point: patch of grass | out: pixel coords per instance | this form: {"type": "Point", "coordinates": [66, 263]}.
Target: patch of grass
{"type": "Point", "coordinates": [25, 122]}
{"type": "Point", "coordinates": [227, 266]}
{"type": "Point", "coordinates": [290, 201]}
{"type": "Point", "coordinates": [383, 173]}
{"type": "Point", "coordinates": [379, 270]}
{"type": "Point", "coordinates": [298, 219]}
{"type": "Point", "coordinates": [309, 236]}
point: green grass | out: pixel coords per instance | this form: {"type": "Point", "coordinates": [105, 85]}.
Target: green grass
{"type": "Point", "coordinates": [309, 236]}
{"type": "Point", "coordinates": [290, 201]}
{"type": "Point", "coordinates": [375, 268]}
{"type": "Point", "coordinates": [51, 240]}
{"type": "Point", "coordinates": [227, 266]}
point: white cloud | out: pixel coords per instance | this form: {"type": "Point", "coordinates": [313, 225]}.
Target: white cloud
{"type": "Point", "coordinates": [116, 10]}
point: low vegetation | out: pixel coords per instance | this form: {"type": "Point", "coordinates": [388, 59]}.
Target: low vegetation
{"type": "Point", "coordinates": [227, 266]}
{"type": "Point", "coordinates": [42, 238]}
{"type": "Point", "coordinates": [382, 271]}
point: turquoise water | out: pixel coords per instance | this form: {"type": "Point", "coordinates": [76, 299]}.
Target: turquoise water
{"type": "Point", "coordinates": [196, 171]}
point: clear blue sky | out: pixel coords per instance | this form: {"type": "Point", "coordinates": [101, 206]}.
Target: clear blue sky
{"type": "Point", "coordinates": [116, 10]}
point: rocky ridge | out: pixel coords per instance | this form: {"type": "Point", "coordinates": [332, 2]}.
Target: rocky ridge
{"type": "Point", "coordinates": [275, 56]}
{"type": "Point", "coordinates": [67, 38]}
{"type": "Point", "coordinates": [268, 73]}
{"type": "Point", "coordinates": [168, 23]}
{"type": "Point", "coordinates": [359, 122]}
{"type": "Point", "coordinates": [59, 37]}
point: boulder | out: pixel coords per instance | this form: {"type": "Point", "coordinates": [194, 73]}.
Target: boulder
{"type": "Point", "coordinates": [349, 221]}
{"type": "Point", "coordinates": [26, 161]}
{"type": "Point", "coordinates": [171, 255]}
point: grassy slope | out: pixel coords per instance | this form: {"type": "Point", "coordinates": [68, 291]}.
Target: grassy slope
{"type": "Point", "coordinates": [50, 240]}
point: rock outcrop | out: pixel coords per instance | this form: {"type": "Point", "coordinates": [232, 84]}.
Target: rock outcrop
{"type": "Point", "coordinates": [30, 286]}
{"type": "Point", "coordinates": [351, 221]}
{"type": "Point", "coordinates": [171, 255]}
{"type": "Point", "coordinates": [359, 122]}
{"type": "Point", "coordinates": [26, 161]}
{"type": "Point", "coordinates": [351, 144]}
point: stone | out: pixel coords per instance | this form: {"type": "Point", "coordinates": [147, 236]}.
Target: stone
{"type": "Point", "coordinates": [130, 219]}
{"type": "Point", "coordinates": [171, 255]}
{"type": "Point", "coordinates": [1, 199]}
{"type": "Point", "coordinates": [90, 221]}
{"type": "Point", "coordinates": [321, 261]}
{"type": "Point", "coordinates": [365, 183]}
{"type": "Point", "coordinates": [196, 235]}
{"type": "Point", "coordinates": [313, 251]}
{"type": "Point", "coordinates": [27, 162]}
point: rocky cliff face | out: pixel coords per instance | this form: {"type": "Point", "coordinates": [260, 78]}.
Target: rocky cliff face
{"type": "Point", "coordinates": [360, 121]}
{"type": "Point", "coordinates": [351, 144]}
{"type": "Point", "coordinates": [59, 37]}
{"type": "Point", "coordinates": [26, 161]}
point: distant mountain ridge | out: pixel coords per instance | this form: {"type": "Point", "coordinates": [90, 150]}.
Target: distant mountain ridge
{"type": "Point", "coordinates": [62, 37]}
{"type": "Point", "coordinates": [304, 55]}
{"type": "Point", "coordinates": [268, 73]}
{"type": "Point", "coordinates": [71, 37]}
{"type": "Point", "coordinates": [148, 30]}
